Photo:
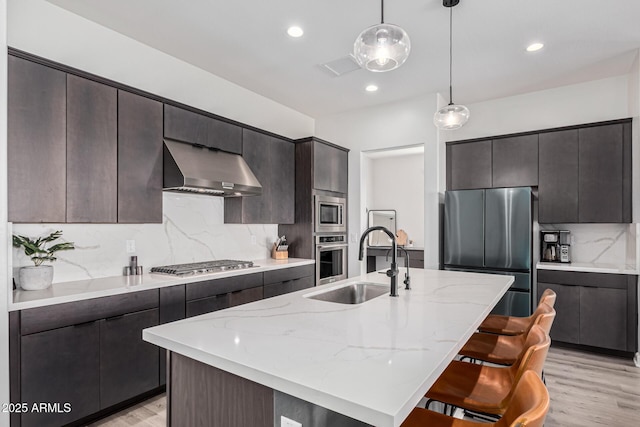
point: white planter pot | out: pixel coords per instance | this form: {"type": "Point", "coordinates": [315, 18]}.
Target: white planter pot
{"type": "Point", "coordinates": [36, 278]}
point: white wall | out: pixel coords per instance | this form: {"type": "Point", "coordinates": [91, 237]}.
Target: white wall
{"type": "Point", "coordinates": [386, 126]}
{"type": "Point", "coordinates": [397, 182]}
{"type": "Point", "coordinates": [594, 101]}
{"type": "Point", "coordinates": [4, 239]}
{"type": "Point", "coordinates": [43, 29]}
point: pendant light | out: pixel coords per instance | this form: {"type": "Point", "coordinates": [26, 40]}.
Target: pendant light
{"type": "Point", "coordinates": [452, 116]}
{"type": "Point", "coordinates": [382, 47]}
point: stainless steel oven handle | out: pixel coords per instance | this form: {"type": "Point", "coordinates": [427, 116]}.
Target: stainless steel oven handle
{"type": "Point", "coordinates": [331, 246]}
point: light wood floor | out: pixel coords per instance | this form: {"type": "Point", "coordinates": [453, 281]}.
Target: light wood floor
{"type": "Point", "coordinates": [586, 390]}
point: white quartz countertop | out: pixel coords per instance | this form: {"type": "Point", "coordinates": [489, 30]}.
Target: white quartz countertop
{"type": "Point", "coordinates": [589, 267]}
{"type": "Point", "coordinates": [372, 361]}
{"type": "Point", "coordinates": [107, 286]}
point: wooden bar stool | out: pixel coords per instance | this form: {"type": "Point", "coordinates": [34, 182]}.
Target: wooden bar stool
{"type": "Point", "coordinates": [511, 325]}
{"type": "Point", "coordinates": [489, 389]}
{"type": "Point", "coordinates": [528, 407]}
{"type": "Point", "coordinates": [505, 349]}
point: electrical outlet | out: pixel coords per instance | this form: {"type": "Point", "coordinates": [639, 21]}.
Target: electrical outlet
{"type": "Point", "coordinates": [254, 240]}
{"type": "Point", "coordinates": [286, 422]}
{"type": "Point", "coordinates": [131, 246]}
{"type": "Point", "coordinates": [354, 238]}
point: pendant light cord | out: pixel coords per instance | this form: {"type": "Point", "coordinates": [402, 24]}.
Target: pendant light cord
{"type": "Point", "coordinates": [382, 11]}
{"type": "Point", "coordinates": [450, 55]}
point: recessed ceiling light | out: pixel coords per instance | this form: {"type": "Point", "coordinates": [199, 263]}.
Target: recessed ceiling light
{"type": "Point", "coordinates": [371, 88]}
{"type": "Point", "coordinates": [534, 47]}
{"type": "Point", "coordinates": [295, 31]}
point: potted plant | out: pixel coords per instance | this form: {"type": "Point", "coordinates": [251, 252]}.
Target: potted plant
{"type": "Point", "coordinates": [39, 276]}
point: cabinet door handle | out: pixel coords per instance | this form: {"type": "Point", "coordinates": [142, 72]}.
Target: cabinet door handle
{"type": "Point", "coordinates": [80, 325]}
{"type": "Point", "coordinates": [108, 319]}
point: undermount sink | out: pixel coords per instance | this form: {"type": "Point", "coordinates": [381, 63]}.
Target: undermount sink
{"type": "Point", "coordinates": [355, 293]}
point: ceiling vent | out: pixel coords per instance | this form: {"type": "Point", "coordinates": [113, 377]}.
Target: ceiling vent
{"type": "Point", "coordinates": [341, 66]}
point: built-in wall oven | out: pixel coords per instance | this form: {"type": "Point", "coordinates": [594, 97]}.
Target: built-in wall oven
{"type": "Point", "coordinates": [331, 258]}
{"type": "Point", "coordinates": [330, 214]}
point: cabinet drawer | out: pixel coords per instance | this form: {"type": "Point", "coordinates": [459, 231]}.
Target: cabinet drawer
{"type": "Point", "coordinates": [225, 285]}
{"type": "Point", "coordinates": [246, 296]}
{"type": "Point", "coordinates": [60, 365]}
{"type": "Point", "coordinates": [600, 280]}
{"type": "Point", "coordinates": [304, 283]}
{"type": "Point", "coordinates": [285, 274]}
{"type": "Point", "coordinates": [60, 315]}
{"type": "Point", "coordinates": [129, 366]}
{"type": "Point", "coordinates": [207, 305]}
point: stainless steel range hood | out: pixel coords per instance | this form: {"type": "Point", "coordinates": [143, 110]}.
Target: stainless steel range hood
{"type": "Point", "coordinates": [200, 170]}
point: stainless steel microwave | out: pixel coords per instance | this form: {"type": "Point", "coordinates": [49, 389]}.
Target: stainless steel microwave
{"type": "Point", "coordinates": [330, 214]}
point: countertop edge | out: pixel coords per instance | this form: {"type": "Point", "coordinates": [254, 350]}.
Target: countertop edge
{"type": "Point", "coordinates": [589, 268]}
{"type": "Point", "coordinates": [156, 281]}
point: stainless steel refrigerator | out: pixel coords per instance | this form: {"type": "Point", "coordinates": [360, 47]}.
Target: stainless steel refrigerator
{"type": "Point", "coordinates": [489, 231]}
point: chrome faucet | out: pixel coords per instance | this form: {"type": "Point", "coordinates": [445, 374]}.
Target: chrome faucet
{"type": "Point", "coordinates": [407, 279]}
{"type": "Point", "coordinates": [393, 271]}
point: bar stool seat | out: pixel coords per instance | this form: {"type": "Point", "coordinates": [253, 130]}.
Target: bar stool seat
{"type": "Point", "coordinates": [512, 325]}
{"type": "Point", "coordinates": [505, 349]}
{"type": "Point", "coordinates": [488, 389]}
{"type": "Point", "coordinates": [529, 407]}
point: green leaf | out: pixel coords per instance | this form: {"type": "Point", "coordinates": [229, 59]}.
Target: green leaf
{"type": "Point", "coordinates": [61, 247]}
{"type": "Point", "coordinates": [36, 250]}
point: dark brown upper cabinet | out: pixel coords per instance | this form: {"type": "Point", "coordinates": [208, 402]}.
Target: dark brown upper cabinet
{"type": "Point", "coordinates": [188, 126]}
{"type": "Point", "coordinates": [583, 173]}
{"type": "Point", "coordinates": [604, 175]}
{"type": "Point", "coordinates": [92, 151]}
{"type": "Point", "coordinates": [515, 161]}
{"type": "Point", "coordinates": [139, 159]}
{"type": "Point", "coordinates": [330, 166]}
{"type": "Point", "coordinates": [469, 165]}
{"type": "Point", "coordinates": [558, 177]}
{"type": "Point", "coordinates": [36, 137]}
{"type": "Point", "coordinates": [272, 160]}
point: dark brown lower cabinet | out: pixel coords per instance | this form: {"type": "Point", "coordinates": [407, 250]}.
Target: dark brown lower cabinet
{"type": "Point", "coordinates": [245, 296]}
{"type": "Point", "coordinates": [207, 305]}
{"type": "Point", "coordinates": [129, 366]}
{"type": "Point", "coordinates": [566, 326]}
{"type": "Point", "coordinates": [280, 288]}
{"type": "Point", "coordinates": [172, 308]}
{"type": "Point", "coordinates": [603, 317]}
{"type": "Point", "coordinates": [283, 281]}
{"type": "Point", "coordinates": [61, 366]}
{"type": "Point", "coordinates": [594, 309]}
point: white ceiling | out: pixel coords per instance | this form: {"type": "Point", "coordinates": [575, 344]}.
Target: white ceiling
{"type": "Point", "coordinates": [246, 42]}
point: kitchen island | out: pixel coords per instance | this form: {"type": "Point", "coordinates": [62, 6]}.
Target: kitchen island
{"type": "Point", "coordinates": [318, 362]}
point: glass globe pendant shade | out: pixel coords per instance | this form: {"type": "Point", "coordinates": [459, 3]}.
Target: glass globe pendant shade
{"type": "Point", "coordinates": [451, 117]}
{"type": "Point", "coordinates": [382, 47]}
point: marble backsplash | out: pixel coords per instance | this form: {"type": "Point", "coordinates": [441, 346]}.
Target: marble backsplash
{"type": "Point", "coordinates": [192, 230]}
{"type": "Point", "coordinates": [601, 243]}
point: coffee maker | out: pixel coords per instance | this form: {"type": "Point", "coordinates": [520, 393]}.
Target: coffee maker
{"type": "Point", "coordinates": [555, 246]}
{"type": "Point", "coordinates": [564, 242]}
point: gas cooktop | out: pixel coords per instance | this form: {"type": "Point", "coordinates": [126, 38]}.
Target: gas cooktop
{"type": "Point", "coordinates": [202, 267]}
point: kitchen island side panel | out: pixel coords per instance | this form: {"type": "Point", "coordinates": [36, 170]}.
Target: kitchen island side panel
{"type": "Point", "coordinates": [201, 395]}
